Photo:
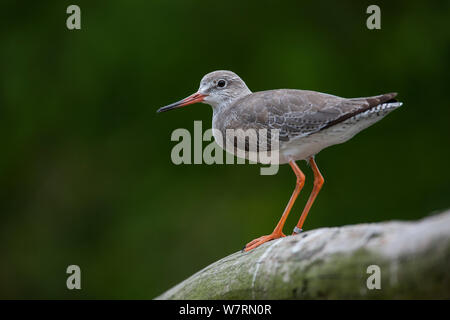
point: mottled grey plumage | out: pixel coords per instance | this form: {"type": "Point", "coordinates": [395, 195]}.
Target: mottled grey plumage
{"type": "Point", "coordinates": [295, 113]}
{"type": "Point", "coordinates": [307, 121]}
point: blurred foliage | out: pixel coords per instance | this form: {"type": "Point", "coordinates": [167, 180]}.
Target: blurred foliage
{"type": "Point", "coordinates": [85, 170]}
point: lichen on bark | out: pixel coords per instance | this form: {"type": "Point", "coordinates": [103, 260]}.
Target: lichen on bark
{"type": "Point", "coordinates": [331, 263]}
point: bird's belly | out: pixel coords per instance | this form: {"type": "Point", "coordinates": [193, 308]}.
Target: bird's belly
{"type": "Point", "coordinates": [304, 147]}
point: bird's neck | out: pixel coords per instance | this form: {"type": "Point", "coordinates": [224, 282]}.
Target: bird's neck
{"type": "Point", "coordinates": [226, 102]}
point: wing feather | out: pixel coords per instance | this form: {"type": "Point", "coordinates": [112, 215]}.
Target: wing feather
{"type": "Point", "coordinates": [295, 113]}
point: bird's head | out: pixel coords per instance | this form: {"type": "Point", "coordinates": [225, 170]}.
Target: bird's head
{"type": "Point", "coordinates": [219, 89]}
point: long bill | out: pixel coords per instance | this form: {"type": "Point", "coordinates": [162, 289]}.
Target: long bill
{"type": "Point", "coordinates": [194, 98]}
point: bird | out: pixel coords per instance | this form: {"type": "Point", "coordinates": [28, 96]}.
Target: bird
{"type": "Point", "coordinates": [306, 122]}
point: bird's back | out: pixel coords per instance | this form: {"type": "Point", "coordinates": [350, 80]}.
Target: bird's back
{"type": "Point", "coordinates": [299, 113]}
{"type": "Point", "coordinates": [294, 112]}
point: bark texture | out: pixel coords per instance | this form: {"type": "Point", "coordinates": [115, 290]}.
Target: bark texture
{"type": "Point", "coordinates": [332, 263]}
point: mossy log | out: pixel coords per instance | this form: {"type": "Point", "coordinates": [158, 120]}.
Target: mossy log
{"type": "Point", "coordinates": [332, 263]}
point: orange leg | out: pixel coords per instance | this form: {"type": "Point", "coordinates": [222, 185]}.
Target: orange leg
{"type": "Point", "coordinates": [318, 183]}
{"type": "Point", "coordinates": [278, 231]}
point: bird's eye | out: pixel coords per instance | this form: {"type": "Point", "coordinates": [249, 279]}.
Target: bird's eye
{"type": "Point", "coordinates": [221, 83]}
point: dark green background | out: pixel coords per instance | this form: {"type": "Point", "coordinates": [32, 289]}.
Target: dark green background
{"type": "Point", "coordinates": [86, 176]}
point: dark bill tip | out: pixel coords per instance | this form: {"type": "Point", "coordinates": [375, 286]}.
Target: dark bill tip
{"type": "Point", "coordinates": [169, 107]}
{"type": "Point", "coordinates": [194, 98]}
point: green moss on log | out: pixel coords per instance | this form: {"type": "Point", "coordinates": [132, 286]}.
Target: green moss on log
{"type": "Point", "coordinates": [331, 263]}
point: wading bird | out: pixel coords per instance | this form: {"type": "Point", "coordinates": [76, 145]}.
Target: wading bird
{"type": "Point", "coordinates": [306, 123]}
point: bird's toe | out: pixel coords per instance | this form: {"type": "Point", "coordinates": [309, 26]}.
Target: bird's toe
{"type": "Point", "coordinates": [259, 241]}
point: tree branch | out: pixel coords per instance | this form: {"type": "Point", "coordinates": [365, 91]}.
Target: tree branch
{"type": "Point", "coordinates": [331, 263]}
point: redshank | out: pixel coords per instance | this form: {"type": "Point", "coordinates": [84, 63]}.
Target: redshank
{"type": "Point", "coordinates": [306, 122]}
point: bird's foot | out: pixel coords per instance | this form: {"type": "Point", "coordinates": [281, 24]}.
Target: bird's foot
{"type": "Point", "coordinates": [259, 241]}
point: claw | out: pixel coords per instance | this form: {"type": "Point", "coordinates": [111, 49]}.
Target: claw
{"type": "Point", "coordinates": [259, 241]}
